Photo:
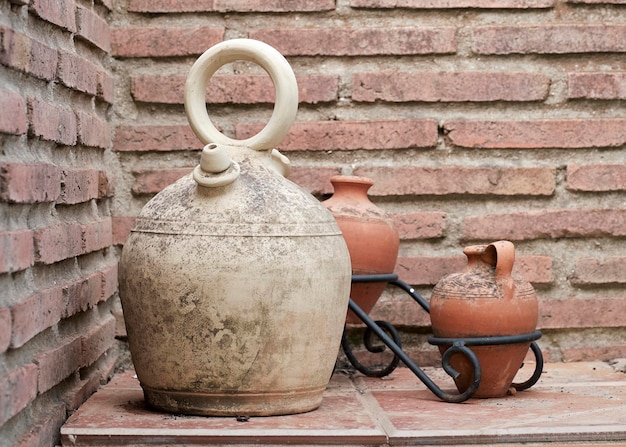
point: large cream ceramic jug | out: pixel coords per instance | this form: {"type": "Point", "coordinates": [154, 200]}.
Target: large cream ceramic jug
{"type": "Point", "coordinates": [235, 281]}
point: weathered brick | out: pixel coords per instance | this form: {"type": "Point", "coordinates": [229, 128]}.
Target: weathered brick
{"type": "Point", "coordinates": [52, 122]}
{"type": "Point", "coordinates": [160, 6]}
{"type": "Point", "coordinates": [18, 388]}
{"type": "Point", "coordinates": [14, 48]}
{"type": "Point", "coordinates": [232, 89]}
{"type": "Point", "coordinates": [537, 134]}
{"type": "Point", "coordinates": [121, 228]}
{"type": "Point", "coordinates": [231, 5]}
{"type": "Point", "coordinates": [23, 53]}
{"type": "Point", "coordinates": [83, 294]}
{"type": "Point", "coordinates": [79, 185]}
{"type": "Point", "coordinates": [153, 181]}
{"type": "Point", "coordinates": [593, 352]}
{"type": "Point", "coordinates": [577, 313]}
{"type": "Point", "coordinates": [314, 88]}
{"type": "Point", "coordinates": [345, 41]}
{"type": "Point", "coordinates": [58, 242]}
{"type": "Point", "coordinates": [535, 269]}
{"type": "Point", "coordinates": [449, 86]}
{"type": "Point", "coordinates": [78, 73]}
{"type": "Point", "coordinates": [43, 61]}
{"type": "Point", "coordinates": [68, 239]}
{"type": "Point", "coordinates": [592, 2]}
{"type": "Point", "coordinates": [315, 180]}
{"type": "Point", "coordinates": [105, 187]}
{"type": "Point", "coordinates": [597, 85]}
{"type": "Point", "coordinates": [163, 42]}
{"type": "Point", "coordinates": [5, 328]}
{"type": "Point", "coordinates": [82, 389]}
{"type": "Point", "coordinates": [93, 130]}
{"type": "Point", "coordinates": [352, 135]}
{"type": "Point", "coordinates": [97, 235]}
{"type": "Point", "coordinates": [57, 363]}
{"type": "Point", "coordinates": [166, 89]}
{"type": "Point", "coordinates": [446, 180]}
{"type": "Point", "coordinates": [29, 183]}
{"type": "Point", "coordinates": [14, 122]}
{"type": "Point", "coordinates": [93, 28]}
{"type": "Point", "coordinates": [105, 87]}
{"type": "Point", "coordinates": [273, 5]}
{"type": "Point", "coordinates": [428, 270]}
{"type": "Point", "coordinates": [46, 427]}
{"type": "Point", "coordinates": [155, 138]}
{"type": "Point", "coordinates": [105, 367]}
{"type": "Point", "coordinates": [97, 341]}
{"type": "Point", "coordinates": [560, 223]}
{"type": "Point", "coordinates": [442, 4]}
{"type": "Point", "coordinates": [36, 313]}
{"type": "Point", "coordinates": [16, 251]}
{"type": "Point", "coordinates": [591, 271]}
{"type": "Point", "coordinates": [109, 282]}
{"type": "Point", "coordinates": [420, 225]}
{"type": "Point", "coordinates": [596, 177]}
{"type": "Point", "coordinates": [549, 39]}
{"type": "Point", "coordinates": [58, 12]}
{"type": "Point", "coordinates": [90, 380]}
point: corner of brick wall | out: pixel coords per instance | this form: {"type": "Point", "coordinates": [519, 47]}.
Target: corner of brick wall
{"type": "Point", "coordinates": [58, 270]}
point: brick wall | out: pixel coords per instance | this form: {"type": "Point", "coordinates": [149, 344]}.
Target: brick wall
{"type": "Point", "coordinates": [477, 120]}
{"type": "Point", "coordinates": [58, 273]}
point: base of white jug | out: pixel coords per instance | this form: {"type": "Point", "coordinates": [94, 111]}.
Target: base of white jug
{"type": "Point", "coordinates": [234, 403]}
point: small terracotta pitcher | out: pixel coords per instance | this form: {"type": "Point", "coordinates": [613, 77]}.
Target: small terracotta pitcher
{"type": "Point", "coordinates": [485, 301]}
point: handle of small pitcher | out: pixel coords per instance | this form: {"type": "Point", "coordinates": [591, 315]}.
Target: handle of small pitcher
{"type": "Point", "coordinates": [505, 258]}
{"type": "Point", "coordinates": [272, 62]}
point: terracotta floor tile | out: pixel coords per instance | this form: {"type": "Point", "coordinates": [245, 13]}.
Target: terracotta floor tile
{"type": "Point", "coordinates": [117, 415]}
{"type": "Point", "coordinates": [571, 403]}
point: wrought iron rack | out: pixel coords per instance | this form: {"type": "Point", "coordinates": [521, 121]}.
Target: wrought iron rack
{"type": "Point", "coordinates": [387, 333]}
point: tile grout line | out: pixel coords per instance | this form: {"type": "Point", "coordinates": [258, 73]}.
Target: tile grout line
{"type": "Point", "coordinates": [376, 412]}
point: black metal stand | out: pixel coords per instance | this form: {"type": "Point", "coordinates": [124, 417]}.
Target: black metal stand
{"type": "Point", "coordinates": [389, 336]}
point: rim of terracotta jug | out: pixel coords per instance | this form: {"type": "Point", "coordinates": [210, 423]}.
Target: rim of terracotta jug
{"type": "Point", "coordinates": [250, 50]}
{"type": "Point", "coordinates": [352, 179]}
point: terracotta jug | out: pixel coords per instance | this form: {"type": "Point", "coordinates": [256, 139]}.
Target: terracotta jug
{"type": "Point", "coordinates": [370, 234]}
{"type": "Point", "coordinates": [235, 281]}
{"type": "Point", "coordinates": [485, 301]}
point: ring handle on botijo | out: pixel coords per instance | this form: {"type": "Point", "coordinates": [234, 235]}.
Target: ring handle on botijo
{"type": "Point", "coordinates": [283, 115]}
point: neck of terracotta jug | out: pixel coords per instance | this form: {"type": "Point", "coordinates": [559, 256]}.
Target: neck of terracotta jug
{"type": "Point", "coordinates": [351, 184]}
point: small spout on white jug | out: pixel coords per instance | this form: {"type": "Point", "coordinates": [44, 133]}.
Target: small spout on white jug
{"type": "Point", "coordinates": [215, 168]}
{"type": "Point", "coordinates": [214, 159]}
